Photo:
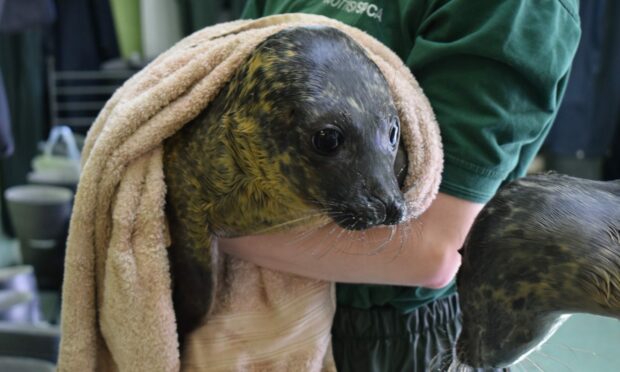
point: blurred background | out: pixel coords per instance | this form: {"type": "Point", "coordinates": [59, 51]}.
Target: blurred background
{"type": "Point", "coordinates": [61, 60]}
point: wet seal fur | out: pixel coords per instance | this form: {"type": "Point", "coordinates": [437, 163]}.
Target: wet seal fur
{"type": "Point", "coordinates": [250, 162]}
{"type": "Point", "coordinates": [544, 247]}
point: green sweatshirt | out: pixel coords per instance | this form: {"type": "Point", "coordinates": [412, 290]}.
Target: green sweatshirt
{"type": "Point", "coordinates": [494, 72]}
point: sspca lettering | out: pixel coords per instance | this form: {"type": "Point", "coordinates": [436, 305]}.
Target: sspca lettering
{"type": "Point", "coordinates": [359, 7]}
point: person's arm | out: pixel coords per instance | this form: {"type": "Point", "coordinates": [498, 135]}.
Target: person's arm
{"type": "Point", "coordinates": [423, 252]}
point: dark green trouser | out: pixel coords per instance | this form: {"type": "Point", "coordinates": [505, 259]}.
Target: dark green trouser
{"type": "Point", "coordinates": [383, 339]}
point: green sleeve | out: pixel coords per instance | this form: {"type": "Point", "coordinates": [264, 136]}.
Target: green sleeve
{"type": "Point", "coordinates": [253, 9]}
{"type": "Point", "coordinates": [495, 73]}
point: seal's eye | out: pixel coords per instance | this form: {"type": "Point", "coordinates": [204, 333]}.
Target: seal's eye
{"type": "Point", "coordinates": [394, 131]}
{"type": "Point", "coordinates": [327, 140]}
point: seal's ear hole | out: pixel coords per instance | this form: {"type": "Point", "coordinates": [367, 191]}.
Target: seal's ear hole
{"type": "Point", "coordinates": [394, 131]}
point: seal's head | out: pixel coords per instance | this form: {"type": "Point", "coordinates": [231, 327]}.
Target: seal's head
{"type": "Point", "coordinates": [326, 117]}
{"type": "Point", "coordinates": [544, 247]}
{"type": "Point", "coordinates": [306, 126]}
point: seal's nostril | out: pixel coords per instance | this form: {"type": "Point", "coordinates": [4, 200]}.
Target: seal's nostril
{"type": "Point", "coordinates": [393, 213]}
{"type": "Point", "coordinates": [387, 210]}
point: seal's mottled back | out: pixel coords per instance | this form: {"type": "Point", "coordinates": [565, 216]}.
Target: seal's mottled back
{"type": "Point", "coordinates": [544, 247]}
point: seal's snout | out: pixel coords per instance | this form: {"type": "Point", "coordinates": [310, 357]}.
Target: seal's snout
{"type": "Point", "coordinates": [375, 211]}
{"type": "Point", "coordinates": [385, 205]}
{"type": "Point", "coordinates": [386, 211]}
{"type": "Point", "coordinates": [387, 198]}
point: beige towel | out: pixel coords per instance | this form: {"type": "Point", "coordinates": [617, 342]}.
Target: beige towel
{"type": "Point", "coordinates": [117, 310]}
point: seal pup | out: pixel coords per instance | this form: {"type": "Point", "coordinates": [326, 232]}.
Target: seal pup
{"type": "Point", "coordinates": [305, 132]}
{"type": "Point", "coordinates": [544, 247]}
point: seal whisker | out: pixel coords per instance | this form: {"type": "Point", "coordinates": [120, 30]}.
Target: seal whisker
{"type": "Point", "coordinates": [406, 234]}
{"type": "Point", "coordinates": [402, 237]}
{"type": "Point", "coordinates": [331, 246]}
{"type": "Point", "coordinates": [574, 349]}
{"type": "Point", "coordinates": [330, 234]}
{"type": "Point", "coordinates": [341, 233]}
{"type": "Point", "coordinates": [534, 364]}
{"type": "Point", "coordinates": [321, 253]}
{"type": "Point", "coordinates": [376, 250]}
{"type": "Point", "coordinates": [326, 203]}
{"type": "Point", "coordinates": [522, 365]}
{"type": "Point", "coordinates": [352, 239]}
{"type": "Point", "coordinates": [364, 241]}
{"type": "Point", "coordinates": [553, 358]}
{"type": "Point", "coordinates": [360, 238]}
{"type": "Point", "coordinates": [363, 238]}
{"type": "Point", "coordinates": [290, 222]}
{"type": "Point", "coordinates": [417, 226]}
{"type": "Point", "coordinates": [379, 248]}
{"type": "Point", "coordinates": [519, 367]}
{"type": "Point", "coordinates": [321, 204]}
{"type": "Point", "coordinates": [305, 234]}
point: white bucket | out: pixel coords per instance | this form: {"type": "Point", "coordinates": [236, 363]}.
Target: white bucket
{"type": "Point", "coordinates": [39, 212]}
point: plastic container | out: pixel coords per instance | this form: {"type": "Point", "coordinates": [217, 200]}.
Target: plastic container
{"type": "Point", "coordinates": [40, 216]}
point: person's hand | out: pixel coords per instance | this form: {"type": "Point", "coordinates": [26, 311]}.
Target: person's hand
{"type": "Point", "coordinates": [421, 252]}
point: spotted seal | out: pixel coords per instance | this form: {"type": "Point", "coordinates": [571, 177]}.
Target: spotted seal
{"type": "Point", "coordinates": [546, 246]}
{"type": "Point", "coordinates": [305, 130]}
